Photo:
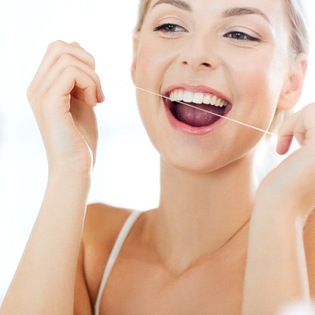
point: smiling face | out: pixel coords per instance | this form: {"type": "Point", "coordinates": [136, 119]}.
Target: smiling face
{"type": "Point", "coordinates": [229, 57]}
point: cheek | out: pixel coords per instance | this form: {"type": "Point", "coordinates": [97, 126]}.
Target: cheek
{"type": "Point", "coordinates": [147, 76]}
{"type": "Point", "coordinates": [257, 88]}
{"type": "Point", "coordinates": [259, 82]}
{"type": "Point", "coordinates": [149, 64]}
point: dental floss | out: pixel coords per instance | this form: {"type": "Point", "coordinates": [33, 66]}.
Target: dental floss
{"type": "Point", "coordinates": [203, 110]}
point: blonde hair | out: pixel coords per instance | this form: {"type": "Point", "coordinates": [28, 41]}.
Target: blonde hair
{"type": "Point", "coordinates": [299, 43]}
{"type": "Point", "coordinates": [299, 37]}
{"type": "Point", "coordinates": [143, 9]}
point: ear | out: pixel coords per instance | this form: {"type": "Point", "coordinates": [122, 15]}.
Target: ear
{"type": "Point", "coordinates": [135, 55]}
{"type": "Point", "coordinates": [293, 87]}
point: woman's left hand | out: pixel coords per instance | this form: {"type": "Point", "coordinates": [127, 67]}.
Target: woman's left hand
{"type": "Point", "coordinates": [291, 185]}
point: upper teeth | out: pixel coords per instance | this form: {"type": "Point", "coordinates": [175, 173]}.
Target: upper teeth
{"type": "Point", "coordinates": [197, 98]}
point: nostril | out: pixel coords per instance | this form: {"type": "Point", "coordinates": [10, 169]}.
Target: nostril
{"type": "Point", "coordinates": [205, 64]}
{"type": "Point", "coordinates": [197, 64]}
{"type": "Point", "coordinates": [201, 65]}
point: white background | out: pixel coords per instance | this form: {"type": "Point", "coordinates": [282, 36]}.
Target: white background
{"type": "Point", "coordinates": [126, 172]}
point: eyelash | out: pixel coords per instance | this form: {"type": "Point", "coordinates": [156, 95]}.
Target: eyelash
{"type": "Point", "coordinates": [235, 35]}
{"type": "Point", "coordinates": [169, 28]}
{"type": "Point", "coordinates": [240, 36]}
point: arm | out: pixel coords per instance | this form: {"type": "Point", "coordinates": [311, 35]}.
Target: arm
{"type": "Point", "coordinates": [62, 95]}
{"type": "Point", "coordinates": [309, 244]}
{"type": "Point", "coordinates": [276, 271]}
{"type": "Point", "coordinates": [276, 268]}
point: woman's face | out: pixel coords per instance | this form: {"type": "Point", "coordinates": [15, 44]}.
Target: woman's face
{"type": "Point", "coordinates": [231, 53]}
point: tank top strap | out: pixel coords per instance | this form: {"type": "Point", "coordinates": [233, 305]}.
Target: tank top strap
{"type": "Point", "coordinates": [114, 254]}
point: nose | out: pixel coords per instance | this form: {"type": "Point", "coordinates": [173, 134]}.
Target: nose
{"type": "Point", "coordinates": [199, 53]}
{"type": "Point", "coordinates": [197, 64]}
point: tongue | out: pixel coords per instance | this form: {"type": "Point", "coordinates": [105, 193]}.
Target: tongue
{"type": "Point", "coordinates": [195, 117]}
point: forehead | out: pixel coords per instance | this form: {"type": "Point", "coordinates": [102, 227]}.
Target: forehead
{"type": "Point", "coordinates": [271, 10]}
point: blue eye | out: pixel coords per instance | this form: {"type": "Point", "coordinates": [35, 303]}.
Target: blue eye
{"type": "Point", "coordinates": [169, 28]}
{"type": "Point", "coordinates": [241, 36]}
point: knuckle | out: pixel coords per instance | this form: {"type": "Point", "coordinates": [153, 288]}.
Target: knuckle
{"type": "Point", "coordinates": [71, 73]}
{"type": "Point", "coordinates": [33, 98]}
{"type": "Point", "coordinates": [67, 59]}
{"type": "Point", "coordinates": [75, 44]}
{"type": "Point", "coordinates": [56, 45]}
{"type": "Point", "coordinates": [92, 60]}
{"type": "Point", "coordinates": [71, 69]}
{"type": "Point", "coordinates": [60, 48]}
{"type": "Point", "coordinates": [32, 93]}
{"type": "Point", "coordinates": [29, 92]}
{"type": "Point", "coordinates": [97, 79]}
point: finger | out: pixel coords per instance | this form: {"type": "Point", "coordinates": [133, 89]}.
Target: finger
{"type": "Point", "coordinates": [284, 144]}
{"type": "Point", "coordinates": [299, 125]}
{"type": "Point", "coordinates": [54, 52]}
{"type": "Point", "coordinates": [286, 133]}
{"type": "Point", "coordinates": [58, 96]}
{"type": "Point", "coordinates": [55, 71]}
{"type": "Point", "coordinates": [58, 48]}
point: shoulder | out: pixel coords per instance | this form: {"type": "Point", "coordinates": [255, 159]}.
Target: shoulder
{"type": "Point", "coordinates": [102, 224]}
{"type": "Point", "coordinates": [101, 228]}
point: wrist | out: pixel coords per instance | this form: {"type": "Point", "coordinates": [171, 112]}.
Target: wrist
{"type": "Point", "coordinates": [279, 207]}
{"type": "Point", "coordinates": [69, 178]}
{"type": "Point", "coordinates": [70, 168]}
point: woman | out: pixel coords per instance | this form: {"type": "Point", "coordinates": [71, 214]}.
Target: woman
{"type": "Point", "coordinates": [218, 243]}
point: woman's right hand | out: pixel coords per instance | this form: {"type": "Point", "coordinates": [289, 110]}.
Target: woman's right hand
{"type": "Point", "coordinates": [62, 95]}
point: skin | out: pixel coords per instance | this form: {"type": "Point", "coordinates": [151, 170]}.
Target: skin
{"type": "Point", "coordinates": [198, 252]}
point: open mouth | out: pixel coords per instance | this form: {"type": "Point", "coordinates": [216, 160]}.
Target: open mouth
{"type": "Point", "coordinates": [196, 109]}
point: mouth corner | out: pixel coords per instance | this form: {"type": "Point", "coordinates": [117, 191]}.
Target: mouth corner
{"type": "Point", "coordinates": [228, 107]}
{"type": "Point", "coordinates": [167, 100]}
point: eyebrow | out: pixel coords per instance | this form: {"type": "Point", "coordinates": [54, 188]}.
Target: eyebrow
{"type": "Point", "coordinates": [227, 13]}
{"type": "Point", "coordinates": [177, 3]}
{"type": "Point", "coordinates": [244, 11]}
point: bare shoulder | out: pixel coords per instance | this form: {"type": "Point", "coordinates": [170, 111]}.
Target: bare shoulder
{"type": "Point", "coordinates": [101, 228]}
{"type": "Point", "coordinates": [309, 242]}
{"type": "Point", "coordinates": [102, 224]}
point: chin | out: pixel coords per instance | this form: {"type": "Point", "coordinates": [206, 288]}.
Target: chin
{"type": "Point", "coordinates": [192, 164]}
{"type": "Point", "coordinates": [209, 162]}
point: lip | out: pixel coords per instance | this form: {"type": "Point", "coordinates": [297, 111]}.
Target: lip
{"type": "Point", "coordinates": [180, 126]}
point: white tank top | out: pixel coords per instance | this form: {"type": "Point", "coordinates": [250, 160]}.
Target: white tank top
{"type": "Point", "coordinates": [114, 254]}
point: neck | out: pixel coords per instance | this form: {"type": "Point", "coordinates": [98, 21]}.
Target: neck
{"type": "Point", "coordinates": [200, 214]}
